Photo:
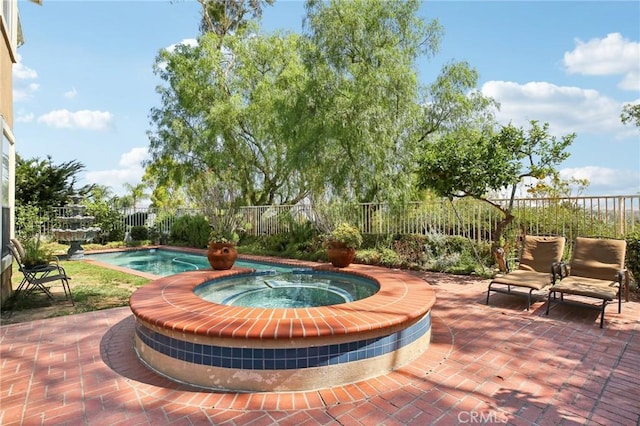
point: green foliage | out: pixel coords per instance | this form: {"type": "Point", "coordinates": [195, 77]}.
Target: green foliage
{"type": "Point", "coordinates": [28, 221]}
{"type": "Point", "coordinates": [115, 234]}
{"type": "Point", "coordinates": [44, 184]}
{"type": "Point", "coordinates": [225, 224]}
{"type": "Point", "coordinates": [35, 253]}
{"type": "Point", "coordinates": [380, 256]}
{"type": "Point", "coordinates": [631, 114]}
{"type": "Point", "coordinates": [344, 235]}
{"type": "Point", "coordinates": [291, 114]}
{"type": "Point", "coordinates": [232, 122]}
{"type": "Point", "coordinates": [108, 219]}
{"type": "Point", "coordinates": [633, 256]}
{"type": "Point", "coordinates": [139, 233]}
{"type": "Point", "coordinates": [472, 162]}
{"type": "Point", "coordinates": [192, 231]}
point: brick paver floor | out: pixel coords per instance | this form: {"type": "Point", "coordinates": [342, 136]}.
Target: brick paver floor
{"type": "Point", "coordinates": [486, 364]}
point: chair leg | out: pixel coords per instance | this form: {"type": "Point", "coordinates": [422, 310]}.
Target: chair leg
{"type": "Point", "coordinates": [604, 303]}
{"type": "Point", "coordinates": [529, 299]}
{"type": "Point", "coordinates": [549, 300]}
{"type": "Point", "coordinates": [67, 291]}
{"type": "Point", "coordinates": [620, 301]}
{"type": "Point", "coordinates": [488, 292]}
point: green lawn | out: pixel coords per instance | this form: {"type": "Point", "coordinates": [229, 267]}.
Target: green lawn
{"type": "Point", "coordinates": [93, 288]}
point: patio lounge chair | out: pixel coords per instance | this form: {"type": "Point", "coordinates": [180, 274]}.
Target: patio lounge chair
{"type": "Point", "coordinates": [596, 271]}
{"type": "Point", "coordinates": [37, 277]}
{"type": "Point", "coordinates": [539, 260]}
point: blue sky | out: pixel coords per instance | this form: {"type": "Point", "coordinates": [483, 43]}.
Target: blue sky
{"type": "Point", "coordinates": [84, 85]}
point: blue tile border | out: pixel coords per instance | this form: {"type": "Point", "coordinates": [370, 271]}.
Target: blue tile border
{"type": "Point", "coordinates": [281, 358]}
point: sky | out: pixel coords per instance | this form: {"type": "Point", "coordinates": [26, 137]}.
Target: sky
{"type": "Point", "coordinates": [84, 84]}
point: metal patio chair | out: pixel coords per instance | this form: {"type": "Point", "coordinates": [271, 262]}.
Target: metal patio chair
{"type": "Point", "coordinates": [539, 260]}
{"type": "Point", "coordinates": [38, 278]}
{"type": "Point", "coordinates": [596, 271]}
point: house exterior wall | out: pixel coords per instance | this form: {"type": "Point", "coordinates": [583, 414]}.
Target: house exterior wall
{"type": "Point", "coordinates": [9, 28]}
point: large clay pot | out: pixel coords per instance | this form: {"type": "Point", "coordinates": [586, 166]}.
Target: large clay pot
{"type": "Point", "coordinates": [222, 255]}
{"type": "Point", "coordinates": [341, 257]}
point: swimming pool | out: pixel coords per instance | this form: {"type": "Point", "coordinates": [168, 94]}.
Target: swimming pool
{"type": "Point", "coordinates": [170, 262]}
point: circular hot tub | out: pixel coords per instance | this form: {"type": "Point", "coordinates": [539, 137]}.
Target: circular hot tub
{"type": "Point", "coordinates": [302, 288]}
{"type": "Point", "coordinates": [258, 348]}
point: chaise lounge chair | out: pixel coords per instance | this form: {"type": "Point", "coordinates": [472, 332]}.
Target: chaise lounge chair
{"type": "Point", "coordinates": [38, 277]}
{"type": "Point", "coordinates": [539, 260]}
{"type": "Point", "coordinates": [596, 271]}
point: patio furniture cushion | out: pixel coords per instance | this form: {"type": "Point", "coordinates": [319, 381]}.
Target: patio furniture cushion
{"type": "Point", "coordinates": [539, 252]}
{"type": "Point", "coordinates": [525, 278]}
{"type": "Point", "coordinates": [589, 287]}
{"type": "Point", "coordinates": [598, 258]}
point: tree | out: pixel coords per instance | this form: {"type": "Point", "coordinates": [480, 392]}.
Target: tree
{"type": "Point", "coordinates": [336, 112]}
{"type": "Point", "coordinates": [136, 192]}
{"type": "Point", "coordinates": [631, 114]}
{"type": "Point", "coordinates": [223, 17]}
{"type": "Point", "coordinates": [223, 114]}
{"type": "Point", "coordinates": [555, 187]}
{"type": "Point", "coordinates": [43, 184]}
{"type": "Point", "coordinates": [360, 107]}
{"type": "Point", "coordinates": [471, 163]}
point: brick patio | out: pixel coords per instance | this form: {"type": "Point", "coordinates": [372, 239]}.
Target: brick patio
{"type": "Point", "coordinates": [489, 364]}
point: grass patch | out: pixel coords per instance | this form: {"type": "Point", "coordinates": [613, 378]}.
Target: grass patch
{"type": "Point", "coordinates": [93, 288]}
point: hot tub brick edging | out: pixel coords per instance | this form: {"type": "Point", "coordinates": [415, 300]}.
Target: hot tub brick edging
{"type": "Point", "coordinates": [188, 339]}
{"type": "Point", "coordinates": [281, 358]}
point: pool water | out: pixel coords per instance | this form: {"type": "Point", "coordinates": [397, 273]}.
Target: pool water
{"type": "Point", "coordinates": [167, 262]}
{"type": "Point", "coordinates": [296, 289]}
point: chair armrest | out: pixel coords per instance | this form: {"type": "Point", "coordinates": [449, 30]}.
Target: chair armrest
{"type": "Point", "coordinates": [559, 270]}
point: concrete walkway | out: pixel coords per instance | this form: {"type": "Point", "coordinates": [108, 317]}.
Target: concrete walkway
{"type": "Point", "coordinates": [486, 364]}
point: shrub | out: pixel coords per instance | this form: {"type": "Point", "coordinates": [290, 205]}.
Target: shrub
{"type": "Point", "coordinates": [192, 231]}
{"type": "Point", "coordinates": [139, 233]}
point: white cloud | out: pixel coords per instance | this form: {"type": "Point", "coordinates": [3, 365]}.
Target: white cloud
{"type": "Point", "coordinates": [24, 93]}
{"type": "Point", "coordinates": [134, 158]}
{"type": "Point", "coordinates": [25, 118]}
{"type": "Point", "coordinates": [23, 72]}
{"type": "Point", "coordinates": [192, 42]}
{"type": "Point", "coordinates": [71, 93]}
{"type": "Point", "coordinates": [84, 119]}
{"type": "Point", "coordinates": [606, 180]}
{"type": "Point", "coordinates": [130, 171]}
{"type": "Point", "coordinates": [612, 55]}
{"type": "Point", "coordinates": [566, 109]}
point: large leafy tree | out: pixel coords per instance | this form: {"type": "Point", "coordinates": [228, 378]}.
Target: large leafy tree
{"type": "Point", "coordinates": [136, 192]}
{"type": "Point", "coordinates": [360, 108]}
{"type": "Point", "coordinates": [43, 184]}
{"type": "Point", "coordinates": [473, 163]}
{"type": "Point", "coordinates": [223, 114]}
{"type": "Point", "coordinates": [336, 112]}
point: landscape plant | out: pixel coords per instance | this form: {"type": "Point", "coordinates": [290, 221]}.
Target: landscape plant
{"type": "Point", "coordinates": [343, 236]}
{"type": "Point", "coordinates": [474, 162]}
{"type": "Point", "coordinates": [281, 117]}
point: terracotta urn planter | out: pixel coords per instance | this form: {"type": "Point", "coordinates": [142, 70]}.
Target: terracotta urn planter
{"type": "Point", "coordinates": [222, 255]}
{"type": "Point", "coordinates": [340, 257]}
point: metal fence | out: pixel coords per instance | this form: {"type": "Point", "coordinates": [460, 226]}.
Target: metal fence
{"type": "Point", "coordinates": [605, 216]}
